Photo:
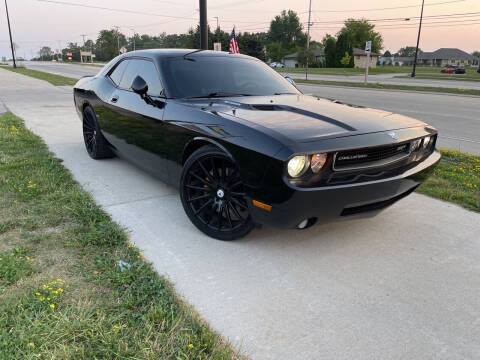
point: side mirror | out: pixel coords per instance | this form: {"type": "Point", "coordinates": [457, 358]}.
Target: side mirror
{"type": "Point", "coordinates": [140, 86]}
{"type": "Point", "coordinates": [290, 80]}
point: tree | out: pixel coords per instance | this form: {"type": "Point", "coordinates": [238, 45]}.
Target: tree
{"type": "Point", "coordinates": [305, 55]}
{"type": "Point", "coordinates": [387, 54]}
{"type": "Point", "coordinates": [287, 30]}
{"type": "Point", "coordinates": [344, 45]}
{"type": "Point", "coordinates": [45, 53]}
{"type": "Point", "coordinates": [108, 44]}
{"type": "Point", "coordinates": [252, 44]}
{"type": "Point", "coordinates": [361, 31]}
{"type": "Point", "coordinates": [346, 59]}
{"type": "Point", "coordinates": [408, 51]}
{"type": "Point", "coordinates": [330, 45]}
{"type": "Point", "coordinates": [275, 51]}
{"type": "Point", "coordinates": [476, 54]}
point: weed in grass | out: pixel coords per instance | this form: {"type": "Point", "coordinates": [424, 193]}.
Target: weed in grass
{"type": "Point", "coordinates": [14, 265]}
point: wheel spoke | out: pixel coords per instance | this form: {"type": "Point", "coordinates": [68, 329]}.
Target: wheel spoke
{"type": "Point", "coordinates": [239, 203]}
{"type": "Point", "coordinates": [237, 183]}
{"type": "Point", "coordinates": [199, 188]}
{"type": "Point", "coordinates": [209, 176]}
{"type": "Point", "coordinates": [199, 178]}
{"type": "Point", "coordinates": [229, 218]}
{"type": "Point", "coordinates": [203, 206]}
{"type": "Point", "coordinates": [198, 198]}
{"type": "Point", "coordinates": [237, 214]}
{"type": "Point", "coordinates": [233, 193]}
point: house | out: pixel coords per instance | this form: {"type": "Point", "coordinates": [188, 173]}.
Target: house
{"type": "Point", "coordinates": [360, 58]}
{"type": "Point", "coordinates": [403, 60]}
{"type": "Point", "coordinates": [447, 56]}
{"type": "Point", "coordinates": [291, 59]}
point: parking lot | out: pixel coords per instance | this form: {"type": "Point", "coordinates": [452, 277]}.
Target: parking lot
{"type": "Point", "coordinates": [404, 285]}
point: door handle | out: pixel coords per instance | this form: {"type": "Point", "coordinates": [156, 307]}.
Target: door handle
{"type": "Point", "coordinates": [114, 99]}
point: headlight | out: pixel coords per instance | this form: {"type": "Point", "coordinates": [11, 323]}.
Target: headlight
{"type": "Point", "coordinates": [297, 165]}
{"type": "Point", "coordinates": [416, 144]}
{"type": "Point", "coordinates": [426, 141]}
{"type": "Point", "coordinates": [317, 162]}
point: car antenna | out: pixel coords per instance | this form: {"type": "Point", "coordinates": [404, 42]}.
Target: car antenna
{"type": "Point", "coordinates": [192, 52]}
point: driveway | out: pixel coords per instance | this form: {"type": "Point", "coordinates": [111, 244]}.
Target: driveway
{"type": "Point", "coordinates": [404, 285]}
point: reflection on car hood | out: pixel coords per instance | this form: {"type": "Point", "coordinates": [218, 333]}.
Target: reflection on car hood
{"type": "Point", "coordinates": [303, 118]}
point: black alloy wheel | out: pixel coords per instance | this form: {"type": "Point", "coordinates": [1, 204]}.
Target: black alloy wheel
{"type": "Point", "coordinates": [213, 195]}
{"type": "Point", "coordinates": [96, 145]}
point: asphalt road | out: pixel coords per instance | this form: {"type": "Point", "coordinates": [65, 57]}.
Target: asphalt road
{"type": "Point", "coordinates": [403, 285]}
{"type": "Point", "coordinates": [70, 70]}
{"type": "Point", "coordinates": [392, 79]}
{"type": "Point", "coordinates": [456, 117]}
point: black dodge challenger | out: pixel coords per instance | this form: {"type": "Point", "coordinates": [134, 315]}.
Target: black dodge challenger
{"type": "Point", "coordinates": [244, 146]}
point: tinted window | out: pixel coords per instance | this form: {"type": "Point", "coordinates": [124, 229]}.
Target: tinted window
{"type": "Point", "coordinates": [147, 71]}
{"type": "Point", "coordinates": [116, 75]}
{"type": "Point", "coordinates": [201, 76]}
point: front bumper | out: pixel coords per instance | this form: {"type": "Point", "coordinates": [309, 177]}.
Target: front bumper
{"type": "Point", "coordinates": [332, 203]}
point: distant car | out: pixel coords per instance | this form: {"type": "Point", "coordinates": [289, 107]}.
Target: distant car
{"type": "Point", "coordinates": [453, 70]}
{"type": "Point", "coordinates": [277, 65]}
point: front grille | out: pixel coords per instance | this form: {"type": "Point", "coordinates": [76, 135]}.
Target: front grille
{"type": "Point", "coordinates": [370, 157]}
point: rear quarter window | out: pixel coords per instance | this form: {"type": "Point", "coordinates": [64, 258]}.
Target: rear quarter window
{"type": "Point", "coordinates": [117, 73]}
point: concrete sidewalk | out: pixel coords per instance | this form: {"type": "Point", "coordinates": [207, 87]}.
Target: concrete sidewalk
{"type": "Point", "coordinates": [404, 285]}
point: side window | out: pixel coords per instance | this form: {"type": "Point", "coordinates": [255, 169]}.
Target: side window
{"type": "Point", "coordinates": [117, 73]}
{"type": "Point", "coordinates": [147, 70]}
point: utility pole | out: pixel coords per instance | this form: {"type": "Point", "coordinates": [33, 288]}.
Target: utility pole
{"type": "Point", "coordinates": [216, 17]}
{"type": "Point", "coordinates": [134, 36]}
{"type": "Point", "coordinates": [83, 35]}
{"type": "Point", "coordinates": [308, 36]}
{"type": "Point", "coordinates": [118, 39]}
{"type": "Point", "coordinates": [10, 33]}
{"type": "Point", "coordinates": [418, 41]}
{"type": "Point", "coordinates": [203, 25]}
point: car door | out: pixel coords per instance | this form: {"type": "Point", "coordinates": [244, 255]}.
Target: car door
{"type": "Point", "coordinates": [135, 128]}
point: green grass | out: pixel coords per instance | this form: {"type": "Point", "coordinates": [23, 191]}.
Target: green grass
{"type": "Point", "coordinates": [456, 179]}
{"type": "Point", "coordinates": [392, 87]}
{"type": "Point", "coordinates": [53, 79]}
{"type": "Point", "coordinates": [62, 293]}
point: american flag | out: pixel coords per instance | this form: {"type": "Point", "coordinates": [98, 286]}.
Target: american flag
{"type": "Point", "coordinates": [233, 43]}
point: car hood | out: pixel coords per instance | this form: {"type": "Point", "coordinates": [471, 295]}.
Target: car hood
{"type": "Point", "coordinates": [304, 118]}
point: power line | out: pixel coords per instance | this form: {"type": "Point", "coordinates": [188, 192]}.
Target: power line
{"type": "Point", "coordinates": [387, 8]}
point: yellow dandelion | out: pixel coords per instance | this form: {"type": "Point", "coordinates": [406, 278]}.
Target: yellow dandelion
{"type": "Point", "coordinates": [56, 292]}
{"type": "Point", "coordinates": [95, 272]}
{"type": "Point", "coordinates": [115, 328]}
{"type": "Point", "coordinates": [59, 280]}
{"type": "Point", "coordinates": [190, 346]}
{"type": "Point", "coordinates": [28, 258]}
{"type": "Point", "coordinates": [48, 298]}
{"type": "Point", "coordinates": [42, 298]}
{"type": "Point", "coordinates": [38, 294]}
{"type": "Point", "coordinates": [52, 306]}
{"type": "Point", "coordinates": [60, 290]}
{"type": "Point", "coordinates": [131, 245]}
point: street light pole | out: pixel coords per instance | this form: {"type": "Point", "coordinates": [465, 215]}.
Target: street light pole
{"type": "Point", "coordinates": [10, 33]}
{"type": "Point", "coordinates": [203, 25]}
{"type": "Point", "coordinates": [418, 41]}
{"type": "Point", "coordinates": [134, 36]}
{"type": "Point", "coordinates": [308, 36]}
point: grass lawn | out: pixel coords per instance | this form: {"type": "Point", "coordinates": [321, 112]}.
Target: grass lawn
{"type": "Point", "coordinates": [456, 179]}
{"type": "Point", "coordinates": [394, 87]}
{"type": "Point", "coordinates": [63, 292]}
{"type": "Point", "coordinates": [53, 79]}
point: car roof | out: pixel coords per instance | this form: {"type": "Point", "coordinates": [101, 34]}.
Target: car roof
{"type": "Point", "coordinates": [168, 53]}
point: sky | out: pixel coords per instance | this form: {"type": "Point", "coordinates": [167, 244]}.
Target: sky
{"type": "Point", "coordinates": [37, 23]}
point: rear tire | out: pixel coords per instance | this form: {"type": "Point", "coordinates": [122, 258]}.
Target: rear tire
{"type": "Point", "coordinates": [96, 145]}
{"type": "Point", "coordinates": [213, 196]}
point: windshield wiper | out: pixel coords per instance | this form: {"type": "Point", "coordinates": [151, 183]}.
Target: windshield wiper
{"type": "Point", "coordinates": [218, 95]}
{"type": "Point", "coordinates": [284, 93]}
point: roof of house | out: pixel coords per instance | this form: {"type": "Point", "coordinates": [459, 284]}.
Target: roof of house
{"type": "Point", "coordinates": [317, 53]}
{"type": "Point", "coordinates": [446, 53]}
{"type": "Point", "coordinates": [360, 52]}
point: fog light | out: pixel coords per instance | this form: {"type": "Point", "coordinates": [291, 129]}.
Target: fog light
{"type": "Point", "coordinates": [317, 162]}
{"type": "Point", "coordinates": [297, 165]}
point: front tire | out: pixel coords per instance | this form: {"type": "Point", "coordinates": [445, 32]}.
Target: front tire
{"type": "Point", "coordinates": [213, 196]}
{"type": "Point", "coordinates": [96, 145]}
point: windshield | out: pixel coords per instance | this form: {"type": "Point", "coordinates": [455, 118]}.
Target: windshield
{"type": "Point", "coordinates": [216, 76]}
